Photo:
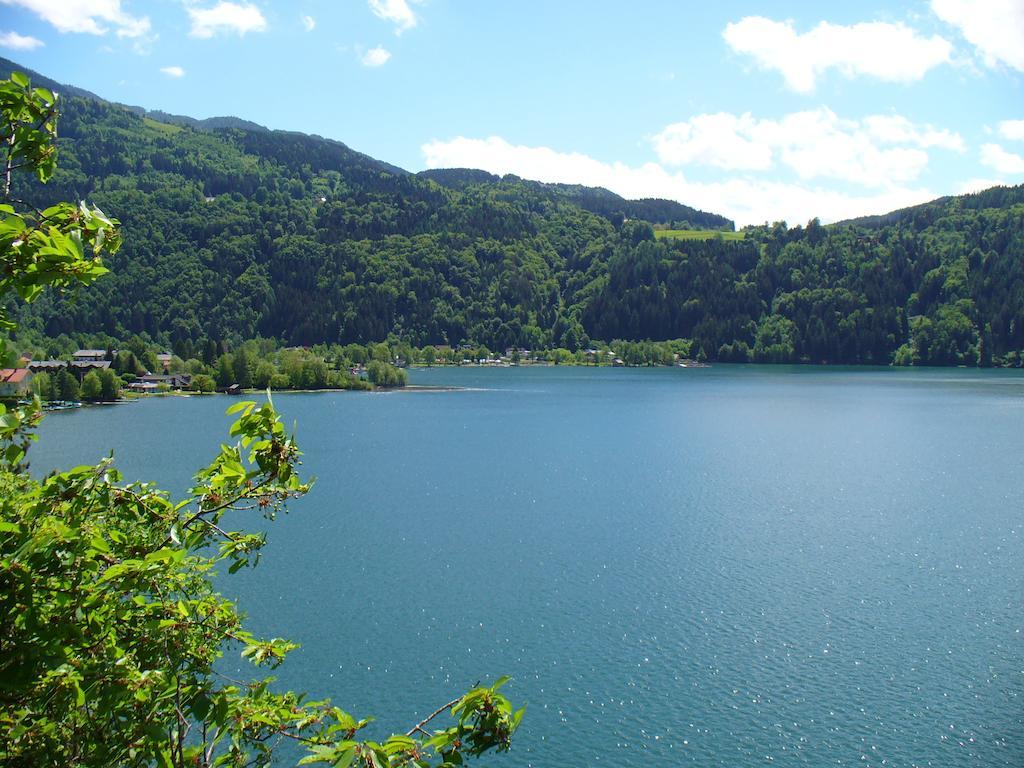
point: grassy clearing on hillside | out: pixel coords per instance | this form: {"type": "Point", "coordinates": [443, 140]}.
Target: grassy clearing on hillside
{"type": "Point", "coordinates": [696, 234]}
{"type": "Point", "coordinates": [161, 127]}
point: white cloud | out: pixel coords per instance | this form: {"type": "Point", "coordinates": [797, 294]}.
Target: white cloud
{"type": "Point", "coordinates": [994, 27]}
{"type": "Point", "coordinates": [876, 152]}
{"type": "Point", "coordinates": [891, 52]}
{"type": "Point", "coordinates": [173, 71]}
{"type": "Point", "coordinates": [19, 42]}
{"type": "Point", "coordinates": [309, 23]}
{"type": "Point", "coordinates": [998, 159]}
{"type": "Point", "coordinates": [95, 17]}
{"type": "Point", "coordinates": [747, 201]}
{"type": "Point", "coordinates": [1012, 130]}
{"type": "Point", "coordinates": [239, 18]}
{"type": "Point", "coordinates": [723, 140]}
{"type": "Point", "coordinates": [375, 57]}
{"type": "Point", "coordinates": [896, 129]}
{"type": "Point", "coordinates": [397, 12]}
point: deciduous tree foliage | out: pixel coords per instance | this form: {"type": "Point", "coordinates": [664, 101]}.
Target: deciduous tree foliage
{"type": "Point", "coordinates": [109, 625]}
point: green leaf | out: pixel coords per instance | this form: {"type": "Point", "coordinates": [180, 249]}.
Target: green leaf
{"type": "Point", "coordinates": [20, 78]}
{"type": "Point", "coordinates": [201, 706]}
{"type": "Point", "coordinates": [345, 758]}
{"type": "Point", "coordinates": [500, 682]}
{"type": "Point", "coordinates": [239, 407]}
{"type": "Point", "coordinates": [13, 454]}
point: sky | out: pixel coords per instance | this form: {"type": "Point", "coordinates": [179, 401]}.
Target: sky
{"type": "Point", "coordinates": [759, 111]}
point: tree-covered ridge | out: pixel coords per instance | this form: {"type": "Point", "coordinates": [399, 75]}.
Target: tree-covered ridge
{"type": "Point", "coordinates": [922, 215]}
{"type": "Point", "coordinates": [594, 199]}
{"type": "Point", "coordinates": [234, 234]}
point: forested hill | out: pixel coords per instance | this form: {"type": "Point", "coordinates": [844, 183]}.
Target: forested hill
{"type": "Point", "coordinates": [233, 232]}
{"type": "Point", "coordinates": [596, 200]}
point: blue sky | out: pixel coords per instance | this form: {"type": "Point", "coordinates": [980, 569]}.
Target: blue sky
{"type": "Point", "coordinates": [761, 111]}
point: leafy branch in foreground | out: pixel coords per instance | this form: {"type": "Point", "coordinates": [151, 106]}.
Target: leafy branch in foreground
{"type": "Point", "coordinates": [60, 246]}
{"type": "Point", "coordinates": [110, 627]}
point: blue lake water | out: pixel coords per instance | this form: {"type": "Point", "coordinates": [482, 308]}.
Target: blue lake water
{"type": "Point", "coordinates": [734, 566]}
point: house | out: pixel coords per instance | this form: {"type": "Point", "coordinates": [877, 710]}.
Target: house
{"type": "Point", "coordinates": [164, 358]}
{"type": "Point", "coordinates": [143, 386]}
{"type": "Point", "coordinates": [15, 382]}
{"type": "Point", "coordinates": [89, 355]}
{"type": "Point", "coordinates": [82, 367]}
{"type": "Point", "coordinates": [77, 367]}
{"type": "Point", "coordinates": [171, 380]}
{"type": "Point", "coordinates": [49, 366]}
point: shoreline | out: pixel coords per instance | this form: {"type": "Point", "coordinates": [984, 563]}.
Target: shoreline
{"type": "Point", "coordinates": [138, 398]}
{"type": "Point", "coordinates": [426, 388]}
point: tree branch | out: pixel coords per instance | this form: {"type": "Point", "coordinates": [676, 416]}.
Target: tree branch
{"type": "Point", "coordinates": [431, 716]}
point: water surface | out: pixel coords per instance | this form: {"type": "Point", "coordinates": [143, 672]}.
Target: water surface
{"type": "Point", "coordinates": [731, 566]}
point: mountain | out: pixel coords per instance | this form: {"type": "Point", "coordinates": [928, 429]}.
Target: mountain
{"type": "Point", "coordinates": [42, 81]}
{"type": "Point", "coordinates": [206, 124]}
{"type": "Point", "coordinates": [596, 200]}
{"type": "Point", "coordinates": [926, 213]}
{"type": "Point", "coordinates": [233, 231]}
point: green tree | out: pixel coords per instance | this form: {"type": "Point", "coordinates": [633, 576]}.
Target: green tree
{"type": "Point", "coordinates": [225, 375]}
{"type": "Point", "coordinates": [774, 342]}
{"type": "Point", "coordinates": [110, 626]}
{"type": "Point", "coordinates": [280, 381]}
{"type": "Point", "coordinates": [904, 355]}
{"type": "Point", "coordinates": [127, 362]}
{"type": "Point", "coordinates": [66, 386]}
{"type": "Point", "coordinates": [202, 383]}
{"type": "Point", "coordinates": [240, 365]}
{"type": "Point", "coordinates": [385, 374]}
{"type": "Point", "coordinates": [110, 385]}
{"type": "Point", "coordinates": [92, 387]}
{"type": "Point", "coordinates": [265, 371]}
{"type": "Point", "coordinates": [314, 374]}
{"type": "Point", "coordinates": [42, 385]}
{"type": "Point", "coordinates": [195, 366]}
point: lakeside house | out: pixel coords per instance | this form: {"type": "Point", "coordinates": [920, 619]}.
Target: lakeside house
{"type": "Point", "coordinates": [85, 360]}
{"type": "Point", "coordinates": [89, 355]}
{"type": "Point", "coordinates": [170, 380]}
{"type": "Point", "coordinates": [154, 382]}
{"type": "Point", "coordinates": [15, 382]}
{"type": "Point", "coordinates": [77, 367]}
{"type": "Point", "coordinates": [81, 362]}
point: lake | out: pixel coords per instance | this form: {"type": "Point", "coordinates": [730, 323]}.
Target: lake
{"type": "Point", "coordinates": [721, 567]}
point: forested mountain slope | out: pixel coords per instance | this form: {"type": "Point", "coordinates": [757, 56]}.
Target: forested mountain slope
{"type": "Point", "coordinates": [234, 232]}
{"type": "Point", "coordinates": [596, 200]}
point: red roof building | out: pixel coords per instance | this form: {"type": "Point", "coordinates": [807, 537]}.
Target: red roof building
{"type": "Point", "coordinates": [15, 382]}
